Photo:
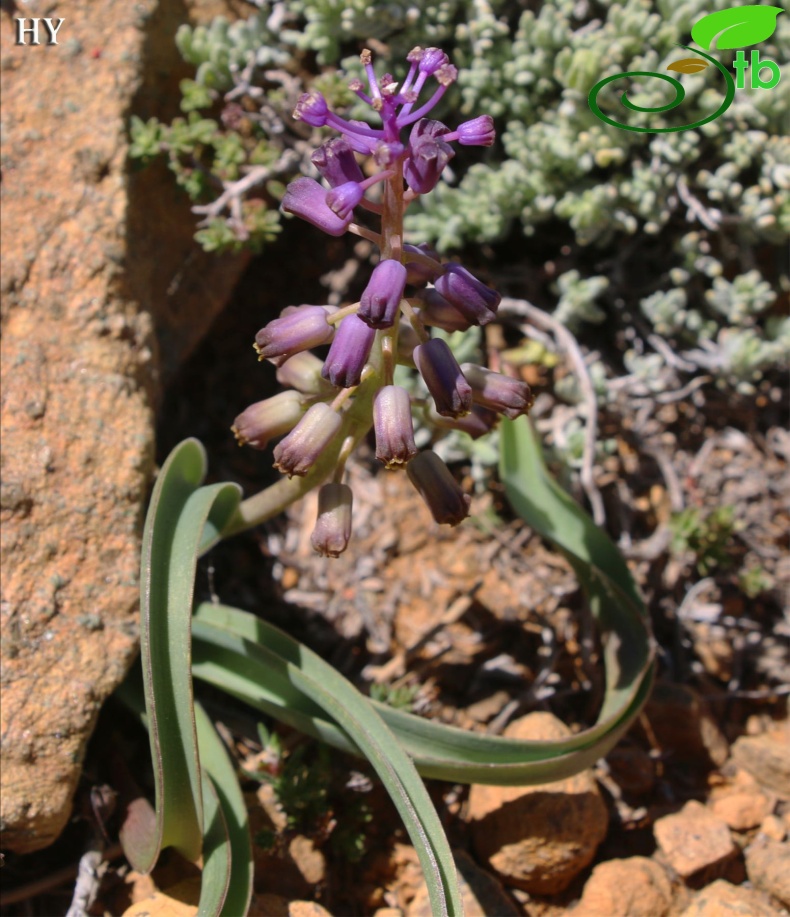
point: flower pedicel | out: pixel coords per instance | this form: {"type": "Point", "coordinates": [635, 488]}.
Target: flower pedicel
{"type": "Point", "coordinates": [332, 406]}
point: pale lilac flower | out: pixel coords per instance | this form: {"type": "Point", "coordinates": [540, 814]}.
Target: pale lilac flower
{"type": "Point", "coordinates": [297, 453]}
{"type": "Point", "coordinates": [393, 426]}
{"type": "Point", "coordinates": [332, 530]}
{"type": "Point", "coordinates": [296, 329]}
{"type": "Point", "coordinates": [379, 304]}
{"type": "Point", "coordinates": [268, 419]}
{"type": "Point", "coordinates": [500, 393]}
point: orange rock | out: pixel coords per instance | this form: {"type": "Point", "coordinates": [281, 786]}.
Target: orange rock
{"type": "Point", "coordinates": [634, 887]}
{"type": "Point", "coordinates": [694, 839]}
{"type": "Point", "coordinates": [767, 758]}
{"type": "Point", "coordinates": [768, 867]}
{"type": "Point", "coordinates": [538, 837]}
{"type": "Point", "coordinates": [721, 899]}
{"type": "Point", "coordinates": [742, 810]}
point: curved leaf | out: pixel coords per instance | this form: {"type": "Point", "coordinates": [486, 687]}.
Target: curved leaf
{"type": "Point", "coordinates": [176, 518]}
{"type": "Point", "coordinates": [737, 27]}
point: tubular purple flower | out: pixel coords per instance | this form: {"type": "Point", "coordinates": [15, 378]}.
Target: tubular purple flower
{"type": "Point", "coordinates": [427, 155]}
{"type": "Point", "coordinates": [393, 426]}
{"type": "Point", "coordinates": [297, 329]}
{"type": "Point", "coordinates": [297, 453]}
{"type": "Point", "coordinates": [451, 393]}
{"type": "Point", "coordinates": [302, 371]}
{"type": "Point", "coordinates": [312, 109]}
{"type": "Point", "coordinates": [420, 272]}
{"type": "Point", "coordinates": [268, 419]}
{"type": "Point", "coordinates": [473, 299]}
{"type": "Point", "coordinates": [477, 423]}
{"type": "Point", "coordinates": [344, 198]}
{"type": "Point", "coordinates": [305, 198]}
{"type": "Point", "coordinates": [436, 311]}
{"type": "Point", "coordinates": [436, 485]}
{"type": "Point", "coordinates": [349, 352]}
{"type": "Point", "coordinates": [379, 304]}
{"type": "Point", "coordinates": [336, 162]}
{"type": "Point", "coordinates": [497, 391]}
{"type": "Point", "coordinates": [477, 132]}
{"type": "Point", "coordinates": [332, 530]}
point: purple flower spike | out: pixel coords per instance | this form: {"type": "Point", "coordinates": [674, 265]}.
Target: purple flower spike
{"type": "Point", "coordinates": [452, 394]}
{"type": "Point", "coordinates": [268, 419]}
{"type": "Point", "coordinates": [344, 198]}
{"type": "Point", "coordinates": [297, 453]}
{"type": "Point", "coordinates": [473, 299]}
{"type": "Point", "coordinates": [498, 392]}
{"type": "Point", "coordinates": [312, 109]}
{"type": "Point", "coordinates": [336, 162]}
{"type": "Point", "coordinates": [379, 304]}
{"type": "Point", "coordinates": [427, 155]}
{"type": "Point", "coordinates": [332, 530]}
{"type": "Point", "coordinates": [298, 329]}
{"type": "Point", "coordinates": [477, 132]}
{"type": "Point", "coordinates": [305, 198]}
{"type": "Point", "coordinates": [349, 352]}
{"type": "Point", "coordinates": [393, 425]}
{"type": "Point", "coordinates": [436, 485]}
{"type": "Point", "coordinates": [436, 311]}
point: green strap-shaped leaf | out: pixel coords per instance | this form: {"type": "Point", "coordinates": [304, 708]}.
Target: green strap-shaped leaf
{"type": "Point", "coordinates": [178, 513]}
{"type": "Point", "coordinates": [737, 27]}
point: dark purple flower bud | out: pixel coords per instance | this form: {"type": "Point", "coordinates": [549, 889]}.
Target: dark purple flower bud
{"type": "Point", "coordinates": [297, 453]}
{"type": "Point", "coordinates": [473, 299]}
{"type": "Point", "coordinates": [427, 155]}
{"type": "Point", "coordinates": [436, 311]}
{"type": "Point", "coordinates": [344, 198]}
{"type": "Point", "coordinates": [297, 329]}
{"type": "Point", "coordinates": [436, 485]}
{"type": "Point", "coordinates": [333, 527]}
{"type": "Point", "coordinates": [268, 419]}
{"type": "Point", "coordinates": [302, 371]}
{"type": "Point", "coordinates": [336, 162]}
{"type": "Point", "coordinates": [312, 109]}
{"type": "Point", "coordinates": [500, 393]}
{"type": "Point", "coordinates": [393, 426]}
{"type": "Point", "coordinates": [432, 59]}
{"type": "Point", "coordinates": [379, 304]}
{"type": "Point", "coordinates": [452, 394]}
{"type": "Point", "coordinates": [477, 132]}
{"type": "Point", "coordinates": [421, 272]}
{"type": "Point", "coordinates": [479, 422]}
{"type": "Point", "coordinates": [349, 352]}
{"type": "Point", "coordinates": [305, 198]}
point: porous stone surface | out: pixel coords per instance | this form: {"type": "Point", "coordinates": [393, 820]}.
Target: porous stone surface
{"type": "Point", "coordinates": [91, 306]}
{"type": "Point", "coordinates": [767, 758]}
{"type": "Point", "coordinates": [538, 838]}
{"type": "Point", "coordinates": [722, 899]}
{"type": "Point", "coordinates": [694, 839]}
{"type": "Point", "coordinates": [277, 906]}
{"type": "Point", "coordinates": [633, 887]}
{"type": "Point", "coordinates": [768, 868]}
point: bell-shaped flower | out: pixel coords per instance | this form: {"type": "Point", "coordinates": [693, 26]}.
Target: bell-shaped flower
{"type": "Point", "coordinates": [306, 199]}
{"type": "Point", "coordinates": [297, 453]}
{"type": "Point", "coordinates": [298, 328]}
{"type": "Point", "coordinates": [498, 392]}
{"type": "Point", "coordinates": [379, 304]}
{"type": "Point", "coordinates": [473, 299]}
{"type": "Point", "coordinates": [447, 502]}
{"type": "Point", "coordinates": [336, 162]}
{"type": "Point", "coordinates": [349, 352]}
{"type": "Point", "coordinates": [333, 527]}
{"type": "Point", "coordinates": [451, 393]}
{"type": "Point", "coordinates": [268, 419]}
{"type": "Point", "coordinates": [392, 423]}
{"type": "Point", "coordinates": [426, 156]}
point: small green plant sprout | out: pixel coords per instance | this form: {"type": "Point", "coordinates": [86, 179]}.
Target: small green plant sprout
{"type": "Point", "coordinates": [390, 362]}
{"type": "Point", "coordinates": [706, 536]}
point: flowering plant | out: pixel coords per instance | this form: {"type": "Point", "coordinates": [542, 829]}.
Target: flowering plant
{"type": "Point", "coordinates": [331, 405]}
{"type": "Point", "coordinates": [326, 408]}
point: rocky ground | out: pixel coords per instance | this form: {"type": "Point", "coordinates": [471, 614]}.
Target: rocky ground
{"type": "Point", "coordinates": [484, 627]}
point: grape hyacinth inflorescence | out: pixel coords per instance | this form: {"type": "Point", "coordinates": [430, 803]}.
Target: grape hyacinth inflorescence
{"type": "Point", "coordinates": [333, 404]}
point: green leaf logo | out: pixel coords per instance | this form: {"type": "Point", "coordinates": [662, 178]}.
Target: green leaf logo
{"type": "Point", "coordinates": [688, 65]}
{"type": "Point", "coordinates": [736, 28]}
